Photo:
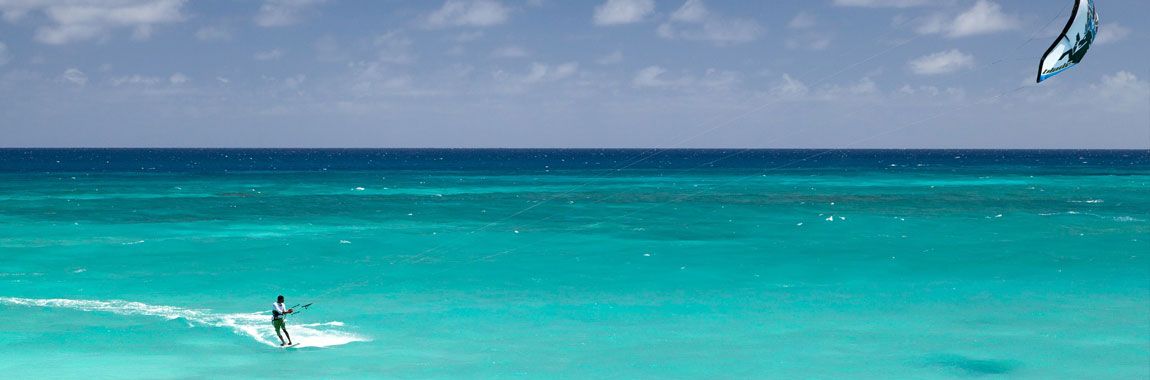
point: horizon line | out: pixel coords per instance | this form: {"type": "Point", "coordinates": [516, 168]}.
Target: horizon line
{"type": "Point", "coordinates": [552, 148]}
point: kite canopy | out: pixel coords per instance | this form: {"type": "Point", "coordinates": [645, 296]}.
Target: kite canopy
{"type": "Point", "coordinates": [1073, 43]}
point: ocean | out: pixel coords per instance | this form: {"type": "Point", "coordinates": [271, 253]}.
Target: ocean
{"type": "Point", "coordinates": [575, 264]}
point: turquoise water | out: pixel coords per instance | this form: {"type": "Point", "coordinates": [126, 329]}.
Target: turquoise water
{"type": "Point", "coordinates": [549, 265]}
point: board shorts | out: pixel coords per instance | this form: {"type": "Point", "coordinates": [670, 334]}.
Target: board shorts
{"type": "Point", "coordinates": [278, 324]}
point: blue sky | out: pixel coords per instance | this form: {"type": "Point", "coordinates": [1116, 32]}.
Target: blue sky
{"type": "Point", "coordinates": [549, 73]}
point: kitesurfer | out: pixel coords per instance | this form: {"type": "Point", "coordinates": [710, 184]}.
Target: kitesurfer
{"type": "Point", "coordinates": [278, 313]}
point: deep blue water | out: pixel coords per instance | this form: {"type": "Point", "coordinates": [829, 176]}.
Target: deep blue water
{"type": "Point", "coordinates": [209, 160]}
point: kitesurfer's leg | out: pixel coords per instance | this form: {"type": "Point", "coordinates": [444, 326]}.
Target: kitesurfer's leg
{"type": "Point", "coordinates": [279, 325]}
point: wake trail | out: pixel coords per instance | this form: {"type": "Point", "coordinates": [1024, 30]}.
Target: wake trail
{"type": "Point", "coordinates": [255, 325]}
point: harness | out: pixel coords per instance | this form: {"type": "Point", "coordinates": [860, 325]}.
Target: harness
{"type": "Point", "coordinates": [276, 313]}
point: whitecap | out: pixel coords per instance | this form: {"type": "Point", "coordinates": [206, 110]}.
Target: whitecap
{"type": "Point", "coordinates": [256, 326]}
{"type": "Point", "coordinates": [17, 274]}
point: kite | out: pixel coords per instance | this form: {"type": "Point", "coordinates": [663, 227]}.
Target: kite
{"type": "Point", "coordinates": [1066, 51]}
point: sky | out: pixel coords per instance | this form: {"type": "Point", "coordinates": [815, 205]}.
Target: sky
{"type": "Point", "coordinates": [567, 74]}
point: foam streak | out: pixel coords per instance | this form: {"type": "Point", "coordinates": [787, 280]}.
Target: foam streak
{"type": "Point", "coordinates": [254, 325]}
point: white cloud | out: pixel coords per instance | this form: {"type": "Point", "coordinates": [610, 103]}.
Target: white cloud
{"type": "Point", "coordinates": [268, 55]}
{"type": "Point", "coordinates": [789, 87]}
{"type": "Point", "coordinates": [474, 13]}
{"type": "Point", "coordinates": [544, 73]}
{"type": "Point", "coordinates": [137, 80]}
{"type": "Point", "coordinates": [983, 18]}
{"type": "Point", "coordinates": [943, 62]}
{"type": "Point", "coordinates": [802, 20]}
{"type": "Point", "coordinates": [394, 47]}
{"type": "Point", "coordinates": [13, 14]}
{"type": "Point", "coordinates": [178, 78]}
{"type": "Point", "coordinates": [650, 76]}
{"type": "Point", "coordinates": [719, 79]}
{"type": "Point", "coordinates": [617, 12]}
{"type": "Point", "coordinates": [610, 59]}
{"type": "Point", "coordinates": [4, 56]}
{"type": "Point", "coordinates": [78, 20]}
{"type": "Point", "coordinates": [1112, 32]}
{"type": "Point", "coordinates": [864, 86]}
{"type": "Point", "coordinates": [658, 77]}
{"type": "Point", "coordinates": [929, 91]}
{"type": "Point", "coordinates": [1123, 91]}
{"type": "Point", "coordinates": [275, 13]}
{"type": "Point", "coordinates": [143, 80]}
{"type": "Point", "coordinates": [693, 21]}
{"type": "Point", "coordinates": [881, 3]}
{"type": "Point", "coordinates": [907, 89]}
{"type": "Point", "coordinates": [933, 24]}
{"type": "Point", "coordinates": [294, 82]}
{"type": "Point", "coordinates": [537, 74]}
{"type": "Point", "coordinates": [509, 52]}
{"type": "Point", "coordinates": [74, 76]}
{"type": "Point", "coordinates": [804, 34]}
{"type": "Point", "coordinates": [691, 11]}
{"type": "Point", "coordinates": [376, 78]}
{"type": "Point", "coordinates": [213, 33]}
